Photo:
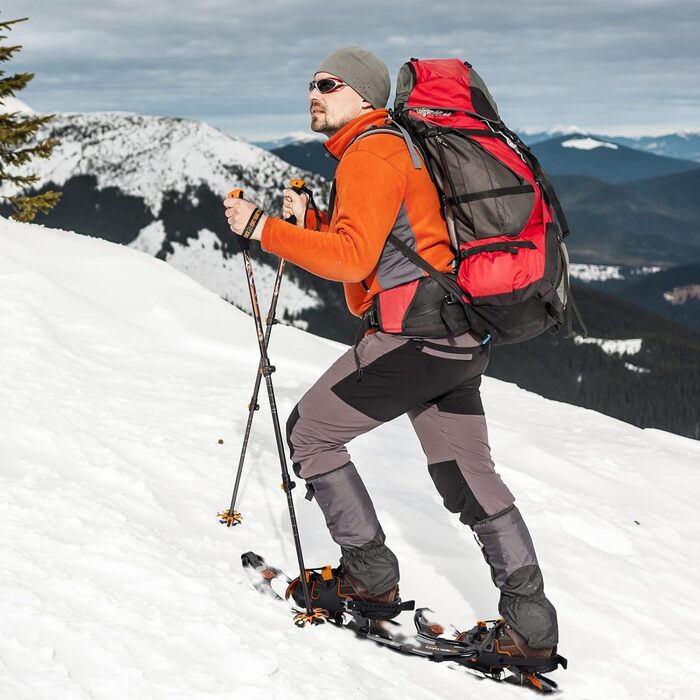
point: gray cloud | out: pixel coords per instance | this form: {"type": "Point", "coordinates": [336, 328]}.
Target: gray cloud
{"type": "Point", "coordinates": [612, 65]}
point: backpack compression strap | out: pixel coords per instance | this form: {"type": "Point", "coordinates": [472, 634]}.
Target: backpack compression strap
{"type": "Point", "coordinates": [541, 176]}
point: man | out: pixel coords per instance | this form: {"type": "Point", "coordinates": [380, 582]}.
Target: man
{"type": "Point", "coordinates": [434, 376]}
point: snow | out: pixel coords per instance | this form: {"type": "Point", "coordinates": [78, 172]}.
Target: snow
{"type": "Point", "coordinates": [226, 276]}
{"type": "Point", "coordinates": [202, 260]}
{"type": "Point", "coordinates": [647, 270]}
{"type": "Point", "coordinates": [683, 294]}
{"type": "Point", "coordinates": [588, 272]}
{"type": "Point", "coordinates": [12, 104]}
{"type": "Point", "coordinates": [119, 376]}
{"type": "Point", "coordinates": [629, 346]}
{"type": "Point", "coordinates": [556, 130]}
{"type": "Point", "coordinates": [594, 273]}
{"type": "Point", "coordinates": [587, 144]}
{"type": "Point", "coordinates": [638, 370]}
{"type": "Point", "coordinates": [150, 239]}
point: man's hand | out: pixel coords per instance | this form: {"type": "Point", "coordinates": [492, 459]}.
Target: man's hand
{"type": "Point", "coordinates": [238, 212]}
{"type": "Point", "coordinates": [294, 204]}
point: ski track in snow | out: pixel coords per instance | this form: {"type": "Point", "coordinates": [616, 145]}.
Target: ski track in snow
{"type": "Point", "coordinates": [119, 375]}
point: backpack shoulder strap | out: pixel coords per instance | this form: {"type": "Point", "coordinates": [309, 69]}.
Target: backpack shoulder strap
{"type": "Point", "coordinates": [397, 130]}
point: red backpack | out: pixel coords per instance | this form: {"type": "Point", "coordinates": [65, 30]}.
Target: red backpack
{"type": "Point", "coordinates": [505, 222]}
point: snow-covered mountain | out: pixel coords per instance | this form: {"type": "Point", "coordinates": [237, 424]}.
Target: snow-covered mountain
{"type": "Point", "coordinates": [148, 156]}
{"type": "Point", "coordinates": [156, 183]}
{"type": "Point", "coordinates": [118, 581]}
{"type": "Point", "coordinates": [682, 144]}
{"type": "Point", "coordinates": [605, 159]}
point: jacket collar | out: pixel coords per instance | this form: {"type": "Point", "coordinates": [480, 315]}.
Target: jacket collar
{"type": "Point", "coordinates": [338, 143]}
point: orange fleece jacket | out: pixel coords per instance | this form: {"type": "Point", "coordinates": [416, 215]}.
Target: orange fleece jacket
{"type": "Point", "coordinates": [374, 177]}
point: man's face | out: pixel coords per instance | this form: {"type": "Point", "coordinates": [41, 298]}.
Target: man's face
{"type": "Point", "coordinates": [332, 111]}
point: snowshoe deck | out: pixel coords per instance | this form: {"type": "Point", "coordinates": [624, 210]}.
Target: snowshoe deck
{"type": "Point", "coordinates": [428, 641]}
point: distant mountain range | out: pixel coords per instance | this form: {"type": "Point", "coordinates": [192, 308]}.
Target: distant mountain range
{"type": "Point", "coordinates": [156, 184]}
{"type": "Point", "coordinates": [296, 138]}
{"type": "Point", "coordinates": [575, 154]}
{"type": "Point", "coordinates": [683, 144]}
{"type": "Point", "coordinates": [622, 204]}
{"type": "Point", "coordinates": [312, 154]}
{"type": "Point", "coordinates": [605, 160]}
{"type": "Point", "coordinates": [631, 224]}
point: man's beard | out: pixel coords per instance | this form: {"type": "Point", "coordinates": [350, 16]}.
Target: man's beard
{"type": "Point", "coordinates": [322, 125]}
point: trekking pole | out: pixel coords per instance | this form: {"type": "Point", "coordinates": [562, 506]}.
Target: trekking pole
{"type": "Point", "coordinates": [312, 616]}
{"type": "Point", "coordinates": [231, 517]}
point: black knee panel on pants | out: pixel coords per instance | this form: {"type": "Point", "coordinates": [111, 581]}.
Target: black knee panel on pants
{"type": "Point", "coordinates": [457, 497]}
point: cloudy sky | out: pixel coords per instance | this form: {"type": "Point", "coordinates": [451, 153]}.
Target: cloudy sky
{"type": "Point", "coordinates": [612, 66]}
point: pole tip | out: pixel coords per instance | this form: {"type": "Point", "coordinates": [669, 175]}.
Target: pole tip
{"type": "Point", "coordinates": [230, 519]}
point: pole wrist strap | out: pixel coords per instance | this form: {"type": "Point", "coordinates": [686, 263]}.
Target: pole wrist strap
{"type": "Point", "coordinates": [252, 223]}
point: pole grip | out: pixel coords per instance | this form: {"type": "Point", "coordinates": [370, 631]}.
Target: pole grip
{"type": "Point", "coordinates": [243, 243]}
{"type": "Point", "coordinates": [298, 187]}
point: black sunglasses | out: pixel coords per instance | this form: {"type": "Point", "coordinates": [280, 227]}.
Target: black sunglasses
{"type": "Point", "coordinates": [326, 85]}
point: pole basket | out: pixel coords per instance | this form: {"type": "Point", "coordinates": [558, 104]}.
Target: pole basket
{"type": "Point", "coordinates": [317, 617]}
{"type": "Point", "coordinates": [230, 519]}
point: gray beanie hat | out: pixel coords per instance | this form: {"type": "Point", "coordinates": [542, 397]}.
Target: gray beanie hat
{"type": "Point", "coordinates": [366, 74]}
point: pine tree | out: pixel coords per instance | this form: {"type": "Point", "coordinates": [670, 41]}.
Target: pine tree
{"type": "Point", "coordinates": [18, 143]}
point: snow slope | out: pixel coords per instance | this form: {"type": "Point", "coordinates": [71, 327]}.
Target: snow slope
{"type": "Point", "coordinates": [119, 375]}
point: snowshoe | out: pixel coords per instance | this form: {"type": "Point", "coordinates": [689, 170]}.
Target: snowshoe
{"type": "Point", "coordinates": [483, 650]}
{"type": "Point", "coordinates": [500, 646]}
{"type": "Point", "coordinates": [337, 592]}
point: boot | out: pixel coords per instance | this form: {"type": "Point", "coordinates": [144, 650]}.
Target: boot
{"type": "Point", "coordinates": [334, 589]}
{"type": "Point", "coordinates": [350, 587]}
{"type": "Point", "coordinates": [511, 642]}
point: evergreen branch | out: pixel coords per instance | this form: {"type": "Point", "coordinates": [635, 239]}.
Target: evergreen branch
{"type": "Point", "coordinates": [26, 208]}
{"type": "Point", "coordinates": [8, 24]}
{"type": "Point", "coordinates": [14, 83]}
{"type": "Point", "coordinates": [24, 155]}
{"type": "Point", "coordinates": [18, 143]}
{"type": "Point", "coordinates": [19, 180]}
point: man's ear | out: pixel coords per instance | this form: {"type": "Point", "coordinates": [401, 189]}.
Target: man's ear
{"type": "Point", "coordinates": [366, 105]}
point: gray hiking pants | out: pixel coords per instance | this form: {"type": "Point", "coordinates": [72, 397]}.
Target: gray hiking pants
{"type": "Point", "coordinates": [436, 382]}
